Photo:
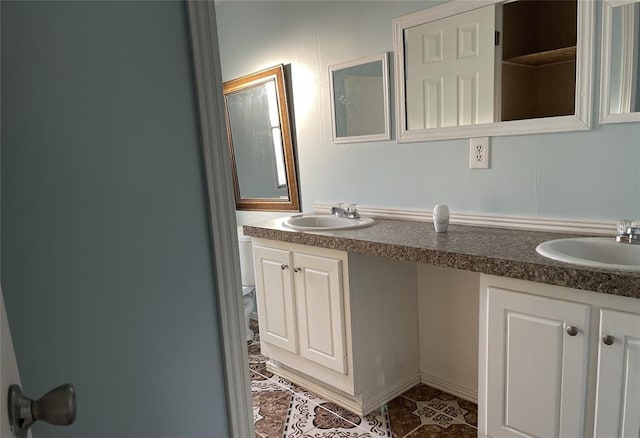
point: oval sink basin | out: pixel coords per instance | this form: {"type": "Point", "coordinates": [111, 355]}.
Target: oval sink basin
{"type": "Point", "coordinates": [321, 222]}
{"type": "Point", "coordinates": [596, 252]}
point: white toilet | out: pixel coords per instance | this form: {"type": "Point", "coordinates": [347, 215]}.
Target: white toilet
{"type": "Point", "coordinates": [248, 278]}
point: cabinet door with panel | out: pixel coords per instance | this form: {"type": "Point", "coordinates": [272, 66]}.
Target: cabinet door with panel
{"type": "Point", "coordinates": [301, 305]}
{"type": "Point", "coordinates": [618, 387]}
{"type": "Point", "coordinates": [275, 297]}
{"type": "Point", "coordinates": [319, 299]}
{"type": "Point", "coordinates": [535, 365]}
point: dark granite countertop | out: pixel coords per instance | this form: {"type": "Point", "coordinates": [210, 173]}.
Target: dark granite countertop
{"type": "Point", "coordinates": [495, 251]}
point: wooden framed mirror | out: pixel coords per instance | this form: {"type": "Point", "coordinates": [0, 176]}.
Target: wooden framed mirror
{"type": "Point", "coordinates": [260, 142]}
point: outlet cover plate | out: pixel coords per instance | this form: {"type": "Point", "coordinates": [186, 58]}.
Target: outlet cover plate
{"type": "Point", "coordinates": [479, 153]}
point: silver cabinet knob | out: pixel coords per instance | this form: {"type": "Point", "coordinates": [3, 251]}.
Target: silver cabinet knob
{"type": "Point", "coordinates": [572, 330]}
{"type": "Point", "coordinates": [297, 269]}
{"type": "Point", "coordinates": [608, 340]}
{"type": "Point", "coordinates": [284, 266]}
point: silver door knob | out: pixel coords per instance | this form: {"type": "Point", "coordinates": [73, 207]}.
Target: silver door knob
{"type": "Point", "coordinates": [572, 330]}
{"type": "Point", "coordinates": [284, 266]}
{"type": "Point", "coordinates": [608, 340]}
{"type": "Point", "coordinates": [297, 269]}
{"type": "Point", "coordinates": [57, 406]}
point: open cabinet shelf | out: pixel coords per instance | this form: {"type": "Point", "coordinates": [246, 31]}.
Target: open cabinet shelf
{"type": "Point", "coordinates": [544, 58]}
{"type": "Point", "coordinates": [538, 67]}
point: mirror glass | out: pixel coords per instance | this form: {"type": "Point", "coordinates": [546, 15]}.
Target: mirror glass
{"type": "Point", "coordinates": [493, 68]}
{"type": "Point", "coordinates": [360, 100]}
{"type": "Point", "coordinates": [620, 90]}
{"type": "Point", "coordinates": [259, 134]}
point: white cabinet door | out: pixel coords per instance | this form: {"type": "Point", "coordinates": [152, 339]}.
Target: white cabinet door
{"type": "Point", "coordinates": [618, 389]}
{"type": "Point", "coordinates": [276, 302]}
{"type": "Point", "coordinates": [536, 365]}
{"type": "Point", "coordinates": [450, 71]}
{"type": "Point", "coordinates": [319, 296]}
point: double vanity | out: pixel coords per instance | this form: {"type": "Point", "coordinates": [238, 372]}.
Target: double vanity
{"type": "Point", "coordinates": [349, 314]}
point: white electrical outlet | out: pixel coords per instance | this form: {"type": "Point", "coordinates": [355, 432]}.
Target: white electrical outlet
{"type": "Point", "coordinates": [479, 153]}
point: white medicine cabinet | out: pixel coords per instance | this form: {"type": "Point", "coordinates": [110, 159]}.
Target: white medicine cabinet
{"type": "Point", "coordinates": [491, 68]}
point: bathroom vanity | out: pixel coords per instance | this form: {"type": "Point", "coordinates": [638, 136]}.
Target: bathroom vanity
{"type": "Point", "coordinates": [343, 325]}
{"type": "Point", "coordinates": [558, 345]}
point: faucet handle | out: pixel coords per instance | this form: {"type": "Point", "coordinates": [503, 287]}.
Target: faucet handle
{"type": "Point", "coordinates": [633, 230]}
{"type": "Point", "coordinates": [339, 210]}
{"type": "Point", "coordinates": [628, 231]}
{"type": "Point", "coordinates": [623, 224]}
{"type": "Point", "coordinates": [352, 211]}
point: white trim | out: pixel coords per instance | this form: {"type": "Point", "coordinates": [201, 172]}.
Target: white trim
{"type": "Point", "coordinates": [535, 223]}
{"type": "Point", "coordinates": [386, 135]}
{"type": "Point", "coordinates": [605, 61]}
{"type": "Point", "coordinates": [449, 387]}
{"type": "Point", "coordinates": [350, 402]}
{"type": "Point", "coordinates": [9, 373]}
{"type": "Point", "coordinates": [628, 51]}
{"type": "Point", "coordinates": [581, 121]}
{"type": "Point", "coordinates": [216, 160]}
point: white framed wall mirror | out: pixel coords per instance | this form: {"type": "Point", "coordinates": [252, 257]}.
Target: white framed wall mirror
{"type": "Point", "coordinates": [493, 67]}
{"type": "Point", "coordinates": [620, 63]}
{"type": "Point", "coordinates": [360, 100]}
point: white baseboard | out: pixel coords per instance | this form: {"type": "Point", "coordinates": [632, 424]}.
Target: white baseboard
{"type": "Point", "coordinates": [373, 403]}
{"type": "Point", "coordinates": [352, 403]}
{"type": "Point", "coordinates": [536, 223]}
{"type": "Point", "coordinates": [470, 394]}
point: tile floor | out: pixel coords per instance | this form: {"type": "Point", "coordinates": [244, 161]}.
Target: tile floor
{"type": "Point", "coordinates": [282, 409]}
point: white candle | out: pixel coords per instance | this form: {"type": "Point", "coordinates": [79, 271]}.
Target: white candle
{"type": "Point", "coordinates": [441, 218]}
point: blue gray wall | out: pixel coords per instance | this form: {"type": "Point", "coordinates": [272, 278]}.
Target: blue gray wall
{"type": "Point", "coordinates": [588, 175]}
{"type": "Point", "coordinates": [106, 260]}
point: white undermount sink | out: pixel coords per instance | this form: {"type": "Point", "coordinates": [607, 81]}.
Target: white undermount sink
{"type": "Point", "coordinates": [596, 252]}
{"type": "Point", "coordinates": [322, 222]}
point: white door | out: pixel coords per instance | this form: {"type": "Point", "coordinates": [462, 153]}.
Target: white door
{"type": "Point", "coordinates": [276, 305]}
{"type": "Point", "coordinates": [450, 65]}
{"type": "Point", "coordinates": [618, 389]}
{"type": "Point", "coordinates": [319, 299]}
{"type": "Point", "coordinates": [536, 362]}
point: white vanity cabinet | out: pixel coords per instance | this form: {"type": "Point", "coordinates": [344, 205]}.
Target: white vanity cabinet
{"type": "Point", "coordinates": [618, 385]}
{"type": "Point", "coordinates": [300, 297]}
{"type": "Point", "coordinates": [536, 364]}
{"type": "Point", "coordinates": [344, 326]}
{"type": "Point", "coordinates": [545, 366]}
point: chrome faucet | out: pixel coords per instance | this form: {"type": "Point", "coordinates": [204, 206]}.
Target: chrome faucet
{"type": "Point", "coordinates": [628, 232]}
{"type": "Point", "coordinates": [346, 211]}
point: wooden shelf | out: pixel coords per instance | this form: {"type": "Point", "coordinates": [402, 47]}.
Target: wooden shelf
{"type": "Point", "coordinates": [544, 58]}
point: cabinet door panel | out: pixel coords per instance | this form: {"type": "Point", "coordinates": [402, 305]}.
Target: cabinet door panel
{"type": "Point", "coordinates": [536, 371]}
{"type": "Point", "coordinates": [276, 305]}
{"type": "Point", "coordinates": [450, 71]}
{"type": "Point", "coordinates": [319, 297]}
{"type": "Point", "coordinates": [618, 389]}
{"type": "Point", "coordinates": [528, 337]}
